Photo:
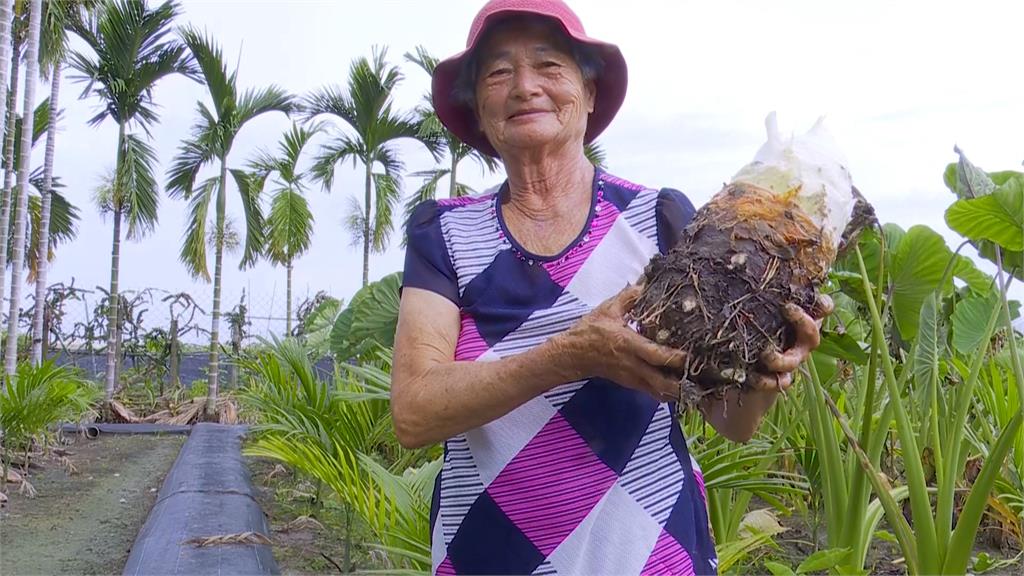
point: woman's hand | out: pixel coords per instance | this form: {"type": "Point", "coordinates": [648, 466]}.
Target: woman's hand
{"type": "Point", "coordinates": [776, 370]}
{"type": "Point", "coordinates": [602, 345]}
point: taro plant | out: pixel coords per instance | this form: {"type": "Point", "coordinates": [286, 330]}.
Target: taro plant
{"type": "Point", "coordinates": [914, 364]}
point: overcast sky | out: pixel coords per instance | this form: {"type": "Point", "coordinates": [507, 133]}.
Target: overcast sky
{"type": "Point", "coordinates": [899, 82]}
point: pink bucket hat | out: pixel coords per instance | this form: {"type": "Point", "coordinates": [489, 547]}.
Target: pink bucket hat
{"type": "Point", "coordinates": [610, 83]}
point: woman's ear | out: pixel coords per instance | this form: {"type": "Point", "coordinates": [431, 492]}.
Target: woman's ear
{"type": "Point", "coordinates": [591, 88]}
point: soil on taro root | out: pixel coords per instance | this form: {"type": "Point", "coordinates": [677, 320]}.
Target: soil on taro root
{"type": "Point", "coordinates": [85, 522]}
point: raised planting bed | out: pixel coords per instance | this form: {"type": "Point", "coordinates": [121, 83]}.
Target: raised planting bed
{"type": "Point", "coordinates": [84, 522]}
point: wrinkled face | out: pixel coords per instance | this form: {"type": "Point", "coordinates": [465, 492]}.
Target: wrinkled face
{"type": "Point", "coordinates": [530, 93]}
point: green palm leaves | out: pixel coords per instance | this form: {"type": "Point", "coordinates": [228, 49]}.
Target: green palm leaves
{"type": "Point", "coordinates": [289, 224]}
{"type": "Point", "coordinates": [212, 138]}
{"type": "Point", "coordinates": [131, 48]}
{"type": "Point", "coordinates": [372, 127]}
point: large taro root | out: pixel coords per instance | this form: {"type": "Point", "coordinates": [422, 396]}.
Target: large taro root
{"type": "Point", "coordinates": [766, 239]}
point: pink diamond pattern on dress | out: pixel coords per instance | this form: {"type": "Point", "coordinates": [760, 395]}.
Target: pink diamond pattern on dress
{"type": "Point", "coordinates": [551, 485]}
{"type": "Point", "coordinates": [470, 344]}
{"type": "Point", "coordinates": [699, 478]}
{"type": "Point", "coordinates": [668, 558]}
{"type": "Point", "coordinates": [563, 270]}
{"type": "Point", "coordinates": [620, 182]}
{"type": "Point", "coordinates": [446, 568]}
{"type": "Point", "coordinates": [462, 201]}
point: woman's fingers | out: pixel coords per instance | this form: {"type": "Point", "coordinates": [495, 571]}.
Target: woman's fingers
{"type": "Point", "coordinates": [655, 354]}
{"type": "Point", "coordinates": [658, 384]}
{"type": "Point", "coordinates": [778, 381]}
{"type": "Point", "coordinates": [808, 337]}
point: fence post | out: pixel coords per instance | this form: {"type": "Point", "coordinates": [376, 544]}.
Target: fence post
{"type": "Point", "coordinates": [236, 349]}
{"type": "Point", "coordinates": [175, 360]}
{"type": "Point", "coordinates": [47, 322]}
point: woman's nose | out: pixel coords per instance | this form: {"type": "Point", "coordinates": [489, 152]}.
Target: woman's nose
{"type": "Point", "coordinates": [525, 82]}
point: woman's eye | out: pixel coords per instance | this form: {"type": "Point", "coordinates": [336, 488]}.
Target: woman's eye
{"type": "Point", "coordinates": [498, 72]}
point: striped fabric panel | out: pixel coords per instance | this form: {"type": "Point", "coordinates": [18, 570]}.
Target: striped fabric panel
{"type": "Point", "coordinates": [461, 201]}
{"type": "Point", "coordinates": [621, 182]}
{"type": "Point", "coordinates": [460, 485]}
{"type": "Point", "coordinates": [446, 568]}
{"type": "Point", "coordinates": [545, 569]}
{"type": "Point", "coordinates": [668, 557]}
{"type": "Point", "coordinates": [470, 344]}
{"type": "Point", "coordinates": [471, 233]}
{"type": "Point", "coordinates": [551, 485]}
{"type": "Point", "coordinates": [640, 214]}
{"type": "Point", "coordinates": [559, 395]}
{"type": "Point", "coordinates": [542, 324]}
{"type": "Point", "coordinates": [654, 476]}
{"type": "Point", "coordinates": [563, 272]}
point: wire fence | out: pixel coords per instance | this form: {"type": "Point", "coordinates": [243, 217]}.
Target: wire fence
{"type": "Point", "coordinates": [77, 317]}
{"type": "Point", "coordinates": [156, 324]}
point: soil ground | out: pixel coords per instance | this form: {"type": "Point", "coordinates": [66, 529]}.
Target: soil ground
{"type": "Point", "coordinates": [85, 522]}
{"type": "Point", "coordinates": [300, 545]}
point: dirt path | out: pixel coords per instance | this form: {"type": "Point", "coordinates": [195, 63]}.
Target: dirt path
{"type": "Point", "coordinates": [85, 523]}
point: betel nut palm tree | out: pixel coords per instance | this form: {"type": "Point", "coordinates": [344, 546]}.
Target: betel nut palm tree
{"type": "Point", "coordinates": [211, 141]}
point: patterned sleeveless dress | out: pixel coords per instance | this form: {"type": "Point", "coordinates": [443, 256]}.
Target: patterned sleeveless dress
{"type": "Point", "coordinates": [591, 477]}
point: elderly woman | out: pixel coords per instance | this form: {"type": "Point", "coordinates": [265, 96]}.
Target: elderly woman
{"type": "Point", "coordinates": [561, 454]}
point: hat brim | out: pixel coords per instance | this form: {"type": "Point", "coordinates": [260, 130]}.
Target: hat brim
{"type": "Point", "coordinates": [461, 120]}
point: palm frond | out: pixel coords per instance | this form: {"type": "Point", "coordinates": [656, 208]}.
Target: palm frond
{"type": "Point", "coordinates": [596, 154]}
{"type": "Point", "coordinates": [210, 59]}
{"type": "Point", "coordinates": [423, 59]}
{"type": "Point", "coordinates": [336, 150]}
{"type": "Point", "coordinates": [193, 248]}
{"type": "Point", "coordinates": [388, 191]}
{"type": "Point", "coordinates": [37, 397]}
{"type": "Point", "coordinates": [354, 221]}
{"type": "Point", "coordinates": [193, 154]}
{"type": "Point", "coordinates": [426, 191]}
{"type": "Point", "coordinates": [136, 193]}
{"type": "Point", "coordinates": [132, 48]}
{"type": "Point", "coordinates": [250, 187]}
{"type": "Point", "coordinates": [255, 102]}
{"type": "Point", "coordinates": [289, 226]}
{"type": "Point", "coordinates": [64, 218]}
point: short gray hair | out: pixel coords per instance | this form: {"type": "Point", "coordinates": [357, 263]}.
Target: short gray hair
{"type": "Point", "coordinates": [588, 59]}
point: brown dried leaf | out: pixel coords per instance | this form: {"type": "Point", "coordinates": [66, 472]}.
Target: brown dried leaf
{"type": "Point", "coordinates": [247, 538]}
{"type": "Point", "coordinates": [120, 411]}
{"type": "Point", "coordinates": [302, 523]}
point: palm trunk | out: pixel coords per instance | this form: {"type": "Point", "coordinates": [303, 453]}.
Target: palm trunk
{"type": "Point", "coordinates": [288, 309]}
{"type": "Point", "coordinates": [453, 190]}
{"type": "Point", "coordinates": [366, 224]}
{"type": "Point", "coordinates": [9, 172]}
{"type": "Point", "coordinates": [42, 264]}
{"type": "Point", "coordinates": [24, 167]}
{"type": "Point", "coordinates": [114, 299]}
{"type": "Point", "coordinates": [214, 364]}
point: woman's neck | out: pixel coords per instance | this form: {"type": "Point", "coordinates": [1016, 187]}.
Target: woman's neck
{"type": "Point", "coordinates": [546, 188]}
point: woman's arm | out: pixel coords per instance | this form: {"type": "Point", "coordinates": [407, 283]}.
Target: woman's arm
{"type": "Point", "coordinates": [433, 397]}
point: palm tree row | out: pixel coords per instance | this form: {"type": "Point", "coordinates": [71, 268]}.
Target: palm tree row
{"type": "Point", "coordinates": [129, 47]}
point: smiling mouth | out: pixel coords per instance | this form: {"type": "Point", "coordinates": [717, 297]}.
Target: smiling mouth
{"type": "Point", "coordinates": [526, 113]}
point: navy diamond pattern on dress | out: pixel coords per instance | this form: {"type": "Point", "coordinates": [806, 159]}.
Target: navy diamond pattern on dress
{"type": "Point", "coordinates": [489, 543]}
{"type": "Point", "coordinates": [504, 295]}
{"type": "Point", "coordinates": [611, 418]}
{"type": "Point", "coordinates": [619, 196]}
